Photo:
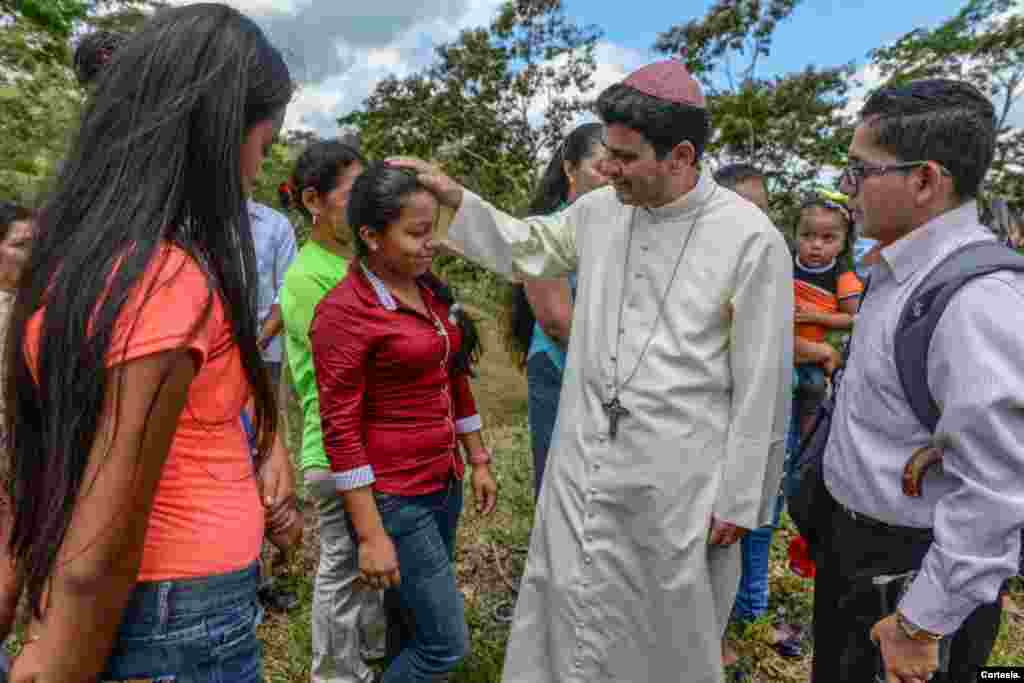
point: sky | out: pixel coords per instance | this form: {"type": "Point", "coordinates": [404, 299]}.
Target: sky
{"type": "Point", "coordinates": [340, 49]}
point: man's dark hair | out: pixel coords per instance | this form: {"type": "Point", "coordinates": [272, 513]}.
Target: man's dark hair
{"type": "Point", "coordinates": [94, 51]}
{"type": "Point", "coordinates": [946, 121]}
{"type": "Point", "coordinates": [732, 175]}
{"type": "Point", "coordinates": [663, 124]}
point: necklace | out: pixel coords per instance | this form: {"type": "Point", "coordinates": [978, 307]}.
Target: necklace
{"type": "Point", "coordinates": [613, 406]}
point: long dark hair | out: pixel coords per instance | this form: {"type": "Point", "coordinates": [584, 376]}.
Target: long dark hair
{"type": "Point", "coordinates": [552, 192]}
{"type": "Point", "coordinates": [157, 159]}
{"type": "Point", "coordinates": [318, 167]}
{"type": "Point", "coordinates": [376, 203]}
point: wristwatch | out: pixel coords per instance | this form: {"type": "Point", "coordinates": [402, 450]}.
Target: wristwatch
{"type": "Point", "coordinates": [480, 458]}
{"type": "Point", "coordinates": [916, 632]}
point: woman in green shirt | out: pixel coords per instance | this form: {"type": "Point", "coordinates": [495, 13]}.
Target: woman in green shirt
{"type": "Point", "coordinates": [348, 624]}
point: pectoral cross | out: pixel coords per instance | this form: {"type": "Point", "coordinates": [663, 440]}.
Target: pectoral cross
{"type": "Point", "coordinates": [615, 411]}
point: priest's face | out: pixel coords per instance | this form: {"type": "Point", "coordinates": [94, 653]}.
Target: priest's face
{"type": "Point", "coordinates": [639, 177]}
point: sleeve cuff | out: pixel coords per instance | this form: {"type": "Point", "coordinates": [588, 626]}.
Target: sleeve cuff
{"type": "Point", "coordinates": [470, 424]}
{"type": "Point", "coordinates": [927, 605]}
{"type": "Point", "coordinates": [745, 470]}
{"type": "Point", "coordinates": [354, 479]}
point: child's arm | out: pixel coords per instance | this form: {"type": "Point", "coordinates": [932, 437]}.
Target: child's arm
{"type": "Point", "coordinates": [849, 305]}
{"type": "Point", "coordinates": [819, 353]}
{"type": "Point", "coordinates": [836, 321]}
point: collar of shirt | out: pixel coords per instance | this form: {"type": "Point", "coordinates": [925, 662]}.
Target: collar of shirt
{"type": "Point", "coordinates": [380, 289]}
{"type": "Point", "coordinates": [816, 270]}
{"type": "Point", "coordinates": [924, 244]}
{"type": "Point", "coordinates": [687, 203]}
{"type": "Point", "coordinates": [372, 290]}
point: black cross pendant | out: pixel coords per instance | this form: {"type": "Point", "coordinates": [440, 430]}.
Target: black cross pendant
{"type": "Point", "coordinates": [615, 411]}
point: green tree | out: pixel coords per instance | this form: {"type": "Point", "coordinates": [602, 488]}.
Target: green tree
{"type": "Point", "coordinates": [493, 102]}
{"type": "Point", "coordinates": [982, 44]}
{"type": "Point", "coordinates": [39, 97]}
{"type": "Point", "coordinates": [790, 126]}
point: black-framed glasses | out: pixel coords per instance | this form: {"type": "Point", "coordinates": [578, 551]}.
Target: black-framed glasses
{"type": "Point", "coordinates": [854, 174]}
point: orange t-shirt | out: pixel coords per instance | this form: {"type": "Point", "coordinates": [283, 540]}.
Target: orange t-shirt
{"type": "Point", "coordinates": [207, 517]}
{"type": "Point", "coordinates": [821, 290]}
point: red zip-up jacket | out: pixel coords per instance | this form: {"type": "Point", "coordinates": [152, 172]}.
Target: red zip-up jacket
{"type": "Point", "coordinates": [390, 406]}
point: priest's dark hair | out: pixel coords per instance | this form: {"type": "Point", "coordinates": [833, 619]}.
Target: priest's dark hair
{"type": "Point", "coordinates": [376, 203]}
{"type": "Point", "coordinates": [94, 52]}
{"type": "Point", "coordinates": [946, 121]}
{"type": "Point", "coordinates": [731, 175]}
{"type": "Point", "coordinates": [319, 167]}
{"type": "Point", "coordinates": [664, 124]}
{"type": "Point", "coordinates": [157, 160]}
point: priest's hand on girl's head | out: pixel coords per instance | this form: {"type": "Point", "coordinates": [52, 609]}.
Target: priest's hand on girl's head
{"type": "Point", "coordinates": [447, 191]}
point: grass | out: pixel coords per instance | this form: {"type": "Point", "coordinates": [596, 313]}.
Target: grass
{"type": "Point", "coordinates": [491, 557]}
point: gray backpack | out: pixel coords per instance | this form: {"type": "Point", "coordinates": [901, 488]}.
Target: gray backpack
{"type": "Point", "coordinates": [925, 307]}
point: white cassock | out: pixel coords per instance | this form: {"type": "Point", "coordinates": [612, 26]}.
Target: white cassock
{"type": "Point", "coordinates": [621, 584]}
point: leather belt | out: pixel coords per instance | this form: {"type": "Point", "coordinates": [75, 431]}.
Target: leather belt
{"type": "Point", "coordinates": [872, 523]}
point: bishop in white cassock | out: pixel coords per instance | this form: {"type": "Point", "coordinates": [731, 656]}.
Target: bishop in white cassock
{"type": "Point", "coordinates": [670, 433]}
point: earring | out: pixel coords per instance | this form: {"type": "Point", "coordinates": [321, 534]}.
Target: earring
{"type": "Point", "coordinates": [316, 217]}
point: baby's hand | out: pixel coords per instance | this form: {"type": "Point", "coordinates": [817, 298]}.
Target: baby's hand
{"type": "Point", "coordinates": [803, 315]}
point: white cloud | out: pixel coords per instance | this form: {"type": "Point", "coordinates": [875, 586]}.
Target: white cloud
{"type": "Point", "coordinates": [339, 50]}
{"type": "Point", "coordinates": [614, 63]}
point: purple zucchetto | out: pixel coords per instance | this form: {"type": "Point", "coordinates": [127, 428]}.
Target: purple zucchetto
{"type": "Point", "coordinates": [668, 80]}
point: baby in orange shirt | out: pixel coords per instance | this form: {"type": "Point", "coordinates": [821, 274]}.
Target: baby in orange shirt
{"type": "Point", "coordinates": [827, 291]}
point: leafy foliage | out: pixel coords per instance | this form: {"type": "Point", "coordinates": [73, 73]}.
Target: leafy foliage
{"type": "Point", "coordinates": [40, 99]}
{"type": "Point", "coordinates": [492, 102]}
{"type": "Point", "coordinates": [488, 108]}
{"type": "Point", "coordinates": [789, 126]}
{"type": "Point", "coordinates": [982, 44]}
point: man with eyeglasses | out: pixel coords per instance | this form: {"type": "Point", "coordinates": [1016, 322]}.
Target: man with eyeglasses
{"type": "Point", "coordinates": [917, 160]}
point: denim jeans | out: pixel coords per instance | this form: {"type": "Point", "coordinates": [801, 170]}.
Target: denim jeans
{"type": "Point", "coordinates": [752, 597]}
{"type": "Point", "coordinates": [544, 385]}
{"type": "Point", "coordinates": [191, 631]}
{"type": "Point", "coordinates": [811, 388]}
{"type": "Point", "coordinates": [423, 531]}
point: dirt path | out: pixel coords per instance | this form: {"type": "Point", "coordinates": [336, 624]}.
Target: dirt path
{"type": "Point", "coordinates": [500, 387]}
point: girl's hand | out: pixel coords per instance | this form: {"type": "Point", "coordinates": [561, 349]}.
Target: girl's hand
{"type": "Point", "coordinates": [378, 562]}
{"type": "Point", "coordinates": [485, 489]}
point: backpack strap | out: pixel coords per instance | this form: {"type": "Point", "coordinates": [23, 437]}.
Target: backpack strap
{"type": "Point", "coordinates": [924, 308]}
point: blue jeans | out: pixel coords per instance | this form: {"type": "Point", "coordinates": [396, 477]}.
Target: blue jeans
{"type": "Point", "coordinates": [544, 386]}
{"type": "Point", "coordinates": [752, 597]}
{"type": "Point", "coordinates": [811, 387]}
{"type": "Point", "coordinates": [191, 631]}
{"type": "Point", "coordinates": [423, 531]}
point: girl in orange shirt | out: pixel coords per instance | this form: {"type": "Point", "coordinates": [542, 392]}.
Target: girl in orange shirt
{"type": "Point", "coordinates": [133, 348]}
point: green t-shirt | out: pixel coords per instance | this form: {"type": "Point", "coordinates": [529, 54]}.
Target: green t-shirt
{"type": "Point", "coordinates": [314, 273]}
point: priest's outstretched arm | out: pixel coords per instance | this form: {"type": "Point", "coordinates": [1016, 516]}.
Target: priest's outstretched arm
{"type": "Point", "coordinates": [761, 360]}
{"type": "Point", "coordinates": [537, 247]}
